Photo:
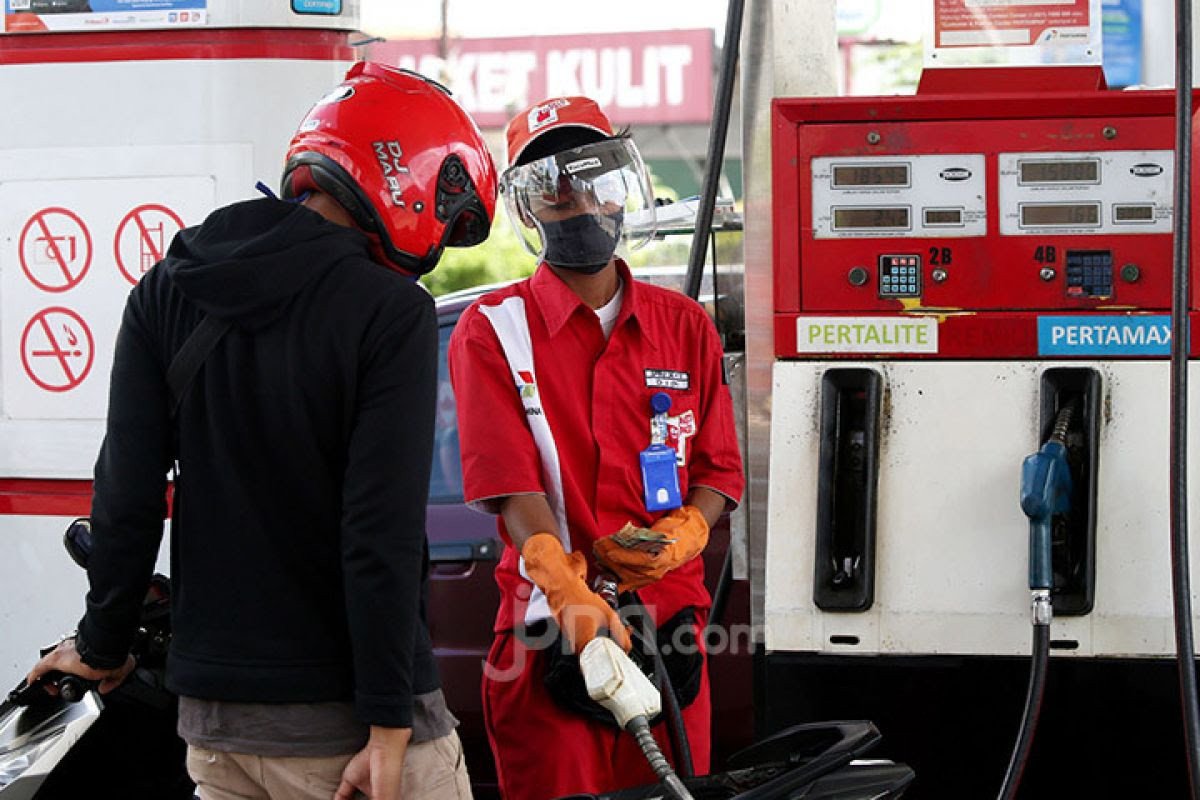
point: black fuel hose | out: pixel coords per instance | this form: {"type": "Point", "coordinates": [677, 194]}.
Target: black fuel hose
{"type": "Point", "coordinates": [1045, 493]}
{"type": "Point", "coordinates": [679, 735]}
{"type": "Point", "coordinates": [722, 109]}
{"type": "Point", "coordinates": [722, 105]}
{"type": "Point", "coordinates": [1180, 345]}
{"type": "Point", "coordinates": [721, 594]}
{"type": "Point", "coordinates": [1033, 710]}
{"type": "Point", "coordinates": [639, 727]}
{"type": "Point", "coordinates": [680, 742]}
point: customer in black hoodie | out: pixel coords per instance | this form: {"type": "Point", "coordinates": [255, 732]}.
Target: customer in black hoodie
{"type": "Point", "coordinates": [302, 449]}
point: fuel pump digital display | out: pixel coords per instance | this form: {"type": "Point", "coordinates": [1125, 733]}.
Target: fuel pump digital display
{"type": "Point", "coordinates": [863, 176]}
{"type": "Point", "coordinates": [1059, 215]}
{"type": "Point", "coordinates": [1060, 171]}
{"type": "Point", "coordinates": [935, 217]}
{"type": "Point", "coordinates": [871, 218]}
{"type": "Point", "coordinates": [1133, 213]}
{"type": "Point", "coordinates": [1126, 192]}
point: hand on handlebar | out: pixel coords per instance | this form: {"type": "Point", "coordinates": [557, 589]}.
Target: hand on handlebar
{"type": "Point", "coordinates": [65, 658]}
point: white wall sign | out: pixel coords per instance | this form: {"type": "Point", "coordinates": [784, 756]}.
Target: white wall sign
{"type": "Point", "coordinates": [988, 32]}
{"type": "Point", "coordinates": [80, 245]}
{"type": "Point", "coordinates": [79, 226]}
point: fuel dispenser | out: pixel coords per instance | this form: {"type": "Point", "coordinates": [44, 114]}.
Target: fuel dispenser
{"type": "Point", "coordinates": [954, 273]}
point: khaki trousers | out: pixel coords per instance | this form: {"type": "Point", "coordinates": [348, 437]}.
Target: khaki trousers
{"type": "Point", "coordinates": [433, 770]}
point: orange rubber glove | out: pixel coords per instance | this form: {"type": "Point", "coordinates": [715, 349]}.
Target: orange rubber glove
{"type": "Point", "coordinates": [579, 612]}
{"type": "Point", "coordinates": [638, 568]}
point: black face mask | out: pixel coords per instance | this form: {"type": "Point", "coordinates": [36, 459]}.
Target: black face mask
{"type": "Point", "coordinates": [584, 243]}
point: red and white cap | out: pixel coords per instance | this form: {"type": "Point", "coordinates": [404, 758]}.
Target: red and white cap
{"type": "Point", "coordinates": [552, 114]}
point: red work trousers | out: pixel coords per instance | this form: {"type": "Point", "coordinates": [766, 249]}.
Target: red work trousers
{"type": "Point", "coordinates": [544, 751]}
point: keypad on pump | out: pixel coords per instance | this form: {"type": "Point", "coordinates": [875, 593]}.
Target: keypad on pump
{"type": "Point", "coordinates": [900, 276]}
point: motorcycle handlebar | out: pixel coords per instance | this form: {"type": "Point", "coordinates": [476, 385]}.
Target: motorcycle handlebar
{"type": "Point", "coordinates": [70, 688]}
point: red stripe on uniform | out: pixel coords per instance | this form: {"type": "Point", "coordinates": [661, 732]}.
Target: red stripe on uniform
{"type": "Point", "coordinates": [45, 498]}
{"type": "Point", "coordinates": [174, 45]}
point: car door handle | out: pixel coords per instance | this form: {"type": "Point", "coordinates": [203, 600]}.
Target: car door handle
{"type": "Point", "coordinates": [456, 558]}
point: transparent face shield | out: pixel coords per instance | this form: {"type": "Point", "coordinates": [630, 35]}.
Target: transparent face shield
{"type": "Point", "coordinates": [577, 208]}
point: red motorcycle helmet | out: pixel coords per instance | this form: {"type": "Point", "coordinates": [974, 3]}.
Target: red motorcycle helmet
{"type": "Point", "coordinates": [404, 160]}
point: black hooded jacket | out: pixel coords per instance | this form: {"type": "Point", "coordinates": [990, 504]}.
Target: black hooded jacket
{"type": "Point", "coordinates": [304, 446]}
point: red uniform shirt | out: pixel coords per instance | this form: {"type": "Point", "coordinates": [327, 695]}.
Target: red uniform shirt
{"type": "Point", "coordinates": [596, 397]}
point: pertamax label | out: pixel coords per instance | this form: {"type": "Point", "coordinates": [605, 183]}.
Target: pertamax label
{"type": "Point", "coordinates": [1104, 335]}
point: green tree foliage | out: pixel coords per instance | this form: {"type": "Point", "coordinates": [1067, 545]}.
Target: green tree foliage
{"type": "Point", "coordinates": [500, 258]}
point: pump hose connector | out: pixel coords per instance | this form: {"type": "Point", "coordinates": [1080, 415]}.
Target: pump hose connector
{"type": "Point", "coordinates": [640, 728]}
{"type": "Point", "coordinates": [1042, 611]}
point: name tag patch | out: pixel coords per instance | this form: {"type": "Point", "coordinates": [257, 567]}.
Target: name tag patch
{"type": "Point", "coordinates": [667, 379]}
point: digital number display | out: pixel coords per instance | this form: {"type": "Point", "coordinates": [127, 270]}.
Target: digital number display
{"type": "Point", "coordinates": [1060, 214]}
{"type": "Point", "coordinates": [943, 216]}
{"type": "Point", "coordinates": [858, 218]}
{"type": "Point", "coordinates": [1133, 213]}
{"type": "Point", "coordinates": [1083, 171]}
{"type": "Point", "coordinates": [853, 176]}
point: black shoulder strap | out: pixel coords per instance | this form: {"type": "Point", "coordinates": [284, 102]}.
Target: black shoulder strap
{"type": "Point", "coordinates": [191, 357]}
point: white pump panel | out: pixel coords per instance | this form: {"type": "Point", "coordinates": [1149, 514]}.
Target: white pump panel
{"type": "Point", "coordinates": [952, 543]}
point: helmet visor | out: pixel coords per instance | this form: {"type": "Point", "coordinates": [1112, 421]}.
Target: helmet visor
{"type": "Point", "coordinates": [577, 208]}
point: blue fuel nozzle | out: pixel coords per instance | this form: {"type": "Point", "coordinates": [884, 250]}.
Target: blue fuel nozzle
{"type": "Point", "coordinates": [1045, 491]}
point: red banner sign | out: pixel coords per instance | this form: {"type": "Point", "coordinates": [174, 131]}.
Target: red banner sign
{"type": "Point", "coordinates": [638, 78]}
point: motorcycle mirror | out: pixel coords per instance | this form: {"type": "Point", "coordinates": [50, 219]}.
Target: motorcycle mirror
{"type": "Point", "coordinates": [78, 541]}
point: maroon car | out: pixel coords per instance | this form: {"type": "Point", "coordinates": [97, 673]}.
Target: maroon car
{"type": "Point", "coordinates": [464, 548]}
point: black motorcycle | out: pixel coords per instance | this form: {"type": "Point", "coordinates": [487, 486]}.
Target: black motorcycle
{"type": "Point", "coordinates": [68, 744]}
{"type": "Point", "coordinates": [815, 761]}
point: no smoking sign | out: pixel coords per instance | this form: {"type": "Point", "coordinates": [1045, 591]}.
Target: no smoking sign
{"type": "Point", "coordinates": [57, 349]}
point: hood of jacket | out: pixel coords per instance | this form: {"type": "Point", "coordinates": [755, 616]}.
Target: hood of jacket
{"type": "Point", "coordinates": [246, 261]}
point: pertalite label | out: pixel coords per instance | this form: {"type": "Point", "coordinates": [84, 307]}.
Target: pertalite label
{"type": "Point", "coordinates": [1104, 336]}
{"type": "Point", "coordinates": [866, 335]}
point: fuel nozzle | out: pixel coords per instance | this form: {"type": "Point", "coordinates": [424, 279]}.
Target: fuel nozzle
{"type": "Point", "coordinates": [1045, 492]}
{"type": "Point", "coordinates": [615, 682]}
